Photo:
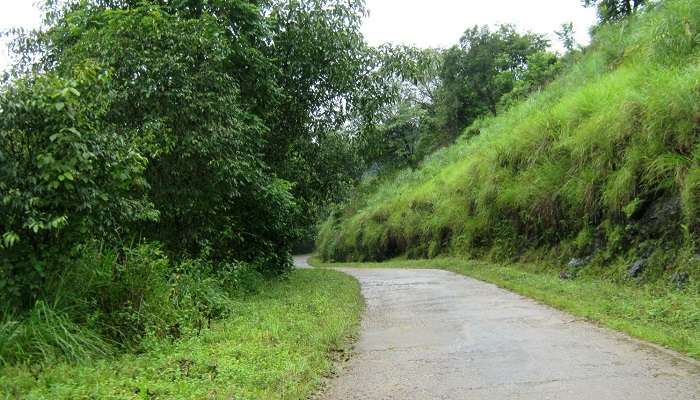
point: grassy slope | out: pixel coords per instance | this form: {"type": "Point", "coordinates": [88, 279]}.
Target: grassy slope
{"type": "Point", "coordinates": [579, 169]}
{"type": "Point", "coordinates": [277, 345]}
{"type": "Point", "coordinates": [666, 317]}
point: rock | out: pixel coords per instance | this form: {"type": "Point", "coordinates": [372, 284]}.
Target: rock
{"type": "Point", "coordinates": [680, 279]}
{"type": "Point", "coordinates": [660, 216]}
{"type": "Point", "coordinates": [577, 262]}
{"type": "Point", "coordinates": [565, 275]}
{"type": "Point", "coordinates": [636, 269]}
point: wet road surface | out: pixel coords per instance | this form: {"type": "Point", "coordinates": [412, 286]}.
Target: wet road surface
{"type": "Point", "coordinates": [432, 334]}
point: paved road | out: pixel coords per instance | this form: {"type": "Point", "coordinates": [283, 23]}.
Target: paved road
{"type": "Point", "coordinates": [431, 334]}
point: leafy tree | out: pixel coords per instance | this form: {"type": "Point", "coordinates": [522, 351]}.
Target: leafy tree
{"type": "Point", "coordinates": [320, 62]}
{"type": "Point", "coordinates": [566, 36]}
{"type": "Point", "coordinates": [65, 175]}
{"type": "Point", "coordinates": [399, 130]}
{"type": "Point", "coordinates": [175, 97]}
{"type": "Point", "coordinates": [614, 10]}
{"type": "Point", "coordinates": [480, 70]}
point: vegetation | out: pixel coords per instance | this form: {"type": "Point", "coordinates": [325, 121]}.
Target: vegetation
{"type": "Point", "coordinates": [158, 160]}
{"type": "Point", "coordinates": [583, 196]}
{"type": "Point", "coordinates": [432, 94]}
{"type": "Point", "coordinates": [598, 169]}
{"type": "Point", "coordinates": [273, 344]}
{"type": "Point", "coordinates": [615, 10]}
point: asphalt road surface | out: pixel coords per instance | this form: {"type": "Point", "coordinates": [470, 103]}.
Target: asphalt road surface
{"type": "Point", "coordinates": [432, 334]}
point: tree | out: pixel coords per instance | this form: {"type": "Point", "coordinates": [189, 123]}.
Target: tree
{"type": "Point", "coordinates": [614, 10]}
{"type": "Point", "coordinates": [175, 97]}
{"type": "Point", "coordinates": [396, 128]}
{"type": "Point", "coordinates": [566, 36]}
{"type": "Point", "coordinates": [65, 175]}
{"type": "Point", "coordinates": [480, 70]}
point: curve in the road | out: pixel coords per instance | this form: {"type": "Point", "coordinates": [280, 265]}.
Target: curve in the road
{"type": "Point", "coordinates": [432, 334]}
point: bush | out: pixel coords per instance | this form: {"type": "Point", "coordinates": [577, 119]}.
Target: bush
{"type": "Point", "coordinates": [122, 299]}
{"type": "Point", "coordinates": [123, 294]}
{"type": "Point", "coordinates": [62, 174]}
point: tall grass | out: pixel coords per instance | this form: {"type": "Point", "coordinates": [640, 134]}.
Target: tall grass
{"type": "Point", "coordinates": [48, 335]}
{"type": "Point", "coordinates": [582, 168]}
{"type": "Point", "coordinates": [104, 301]}
{"type": "Point", "coordinates": [277, 344]}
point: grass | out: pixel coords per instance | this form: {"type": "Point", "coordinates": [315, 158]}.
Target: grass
{"type": "Point", "coordinates": [655, 313]}
{"type": "Point", "coordinates": [276, 344]}
{"type": "Point", "coordinates": [581, 167]}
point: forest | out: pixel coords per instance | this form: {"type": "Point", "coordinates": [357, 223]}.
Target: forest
{"type": "Point", "coordinates": [161, 160]}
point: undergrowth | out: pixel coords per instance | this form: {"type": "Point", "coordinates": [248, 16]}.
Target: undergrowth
{"type": "Point", "coordinates": [603, 165]}
{"type": "Point", "coordinates": [106, 301]}
{"type": "Point", "coordinates": [273, 343]}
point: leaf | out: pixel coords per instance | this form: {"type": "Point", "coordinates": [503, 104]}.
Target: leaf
{"type": "Point", "coordinates": [9, 239]}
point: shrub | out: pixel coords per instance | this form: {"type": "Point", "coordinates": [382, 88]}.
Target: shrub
{"type": "Point", "coordinates": [62, 174]}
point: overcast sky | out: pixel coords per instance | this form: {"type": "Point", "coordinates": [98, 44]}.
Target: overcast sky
{"type": "Point", "coordinates": [424, 23]}
{"type": "Point", "coordinates": [440, 23]}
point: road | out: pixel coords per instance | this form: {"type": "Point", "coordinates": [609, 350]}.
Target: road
{"type": "Point", "coordinates": [432, 334]}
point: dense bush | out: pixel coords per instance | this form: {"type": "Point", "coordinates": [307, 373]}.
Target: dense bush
{"type": "Point", "coordinates": [175, 95]}
{"type": "Point", "coordinates": [107, 300]}
{"type": "Point", "coordinates": [601, 163]}
{"type": "Point", "coordinates": [64, 174]}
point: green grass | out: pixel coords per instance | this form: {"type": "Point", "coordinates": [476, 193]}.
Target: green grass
{"type": "Point", "coordinates": [655, 313]}
{"type": "Point", "coordinates": [575, 170]}
{"type": "Point", "coordinates": [277, 344]}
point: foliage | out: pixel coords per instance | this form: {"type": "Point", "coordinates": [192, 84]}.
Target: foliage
{"type": "Point", "coordinates": [173, 87]}
{"type": "Point", "coordinates": [275, 345]}
{"type": "Point", "coordinates": [614, 10]}
{"type": "Point", "coordinates": [400, 131]}
{"type": "Point", "coordinates": [64, 174]}
{"type": "Point", "coordinates": [600, 164]}
{"type": "Point", "coordinates": [480, 70]}
{"type": "Point", "coordinates": [106, 300]}
{"type": "Point", "coordinates": [566, 36]}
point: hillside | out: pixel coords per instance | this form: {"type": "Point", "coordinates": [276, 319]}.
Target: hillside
{"type": "Point", "coordinates": [599, 173]}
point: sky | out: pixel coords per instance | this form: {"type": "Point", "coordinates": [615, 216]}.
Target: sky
{"type": "Point", "coordinates": [423, 23]}
{"type": "Point", "coordinates": [16, 14]}
{"type": "Point", "coordinates": [440, 23]}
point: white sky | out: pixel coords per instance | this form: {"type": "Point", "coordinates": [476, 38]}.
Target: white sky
{"type": "Point", "coordinates": [424, 23]}
{"type": "Point", "coordinates": [440, 23]}
{"type": "Point", "coordinates": [16, 14]}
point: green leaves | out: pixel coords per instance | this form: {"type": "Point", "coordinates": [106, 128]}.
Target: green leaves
{"type": "Point", "coordinates": [59, 159]}
{"type": "Point", "coordinates": [9, 239]}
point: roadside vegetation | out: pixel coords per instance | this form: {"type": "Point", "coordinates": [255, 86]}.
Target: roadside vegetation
{"type": "Point", "coordinates": [274, 343]}
{"type": "Point", "coordinates": [158, 161]}
{"type": "Point", "coordinates": [596, 172]}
